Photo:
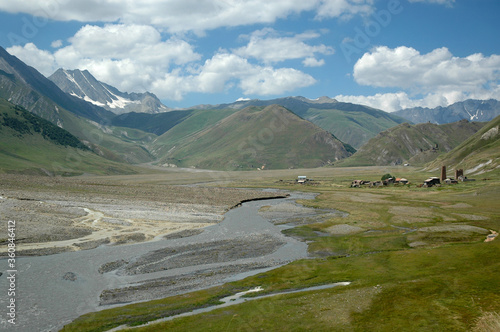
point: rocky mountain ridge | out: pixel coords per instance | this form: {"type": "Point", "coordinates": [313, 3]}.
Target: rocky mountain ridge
{"type": "Point", "coordinates": [472, 110]}
{"type": "Point", "coordinates": [83, 85]}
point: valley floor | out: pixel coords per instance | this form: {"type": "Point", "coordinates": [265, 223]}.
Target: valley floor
{"type": "Point", "coordinates": [416, 258]}
{"type": "Point", "coordinates": [67, 214]}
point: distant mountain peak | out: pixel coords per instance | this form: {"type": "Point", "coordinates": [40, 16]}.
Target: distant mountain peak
{"type": "Point", "coordinates": [82, 84]}
{"type": "Point", "coordinates": [471, 109]}
{"type": "Point", "coordinates": [320, 100]}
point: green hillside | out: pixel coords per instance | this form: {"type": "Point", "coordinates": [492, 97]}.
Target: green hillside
{"type": "Point", "coordinates": [32, 145]}
{"type": "Point", "coordinates": [256, 137]}
{"type": "Point", "coordinates": [478, 154]}
{"type": "Point", "coordinates": [114, 143]}
{"type": "Point", "coordinates": [151, 123]}
{"type": "Point", "coordinates": [414, 144]}
{"type": "Point", "coordinates": [355, 126]}
{"type": "Point", "coordinates": [197, 121]}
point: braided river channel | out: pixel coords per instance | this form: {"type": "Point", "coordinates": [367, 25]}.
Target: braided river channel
{"type": "Point", "coordinates": [53, 290]}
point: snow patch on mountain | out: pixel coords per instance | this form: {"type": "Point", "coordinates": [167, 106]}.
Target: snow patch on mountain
{"type": "Point", "coordinates": [83, 85]}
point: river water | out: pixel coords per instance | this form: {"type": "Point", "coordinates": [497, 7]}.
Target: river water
{"type": "Point", "coordinates": [46, 301]}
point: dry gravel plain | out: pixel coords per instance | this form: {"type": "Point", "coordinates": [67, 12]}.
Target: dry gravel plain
{"type": "Point", "coordinates": [67, 214]}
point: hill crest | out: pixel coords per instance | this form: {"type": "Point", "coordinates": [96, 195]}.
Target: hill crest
{"type": "Point", "coordinates": [413, 144]}
{"type": "Point", "coordinates": [255, 137]}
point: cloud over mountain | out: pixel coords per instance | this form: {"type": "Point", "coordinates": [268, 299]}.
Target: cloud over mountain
{"type": "Point", "coordinates": [438, 77]}
{"type": "Point", "coordinates": [136, 58]}
{"type": "Point", "coordinates": [404, 67]}
{"type": "Point", "coordinates": [183, 49]}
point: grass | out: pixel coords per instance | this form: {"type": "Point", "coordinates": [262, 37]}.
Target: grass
{"type": "Point", "coordinates": [253, 138]}
{"type": "Point", "coordinates": [35, 146]}
{"type": "Point", "coordinates": [481, 148]}
{"type": "Point", "coordinates": [414, 144]}
{"type": "Point", "coordinates": [450, 283]}
{"type": "Point", "coordinates": [421, 290]}
{"type": "Point", "coordinates": [138, 314]}
{"type": "Point", "coordinates": [488, 322]}
{"type": "Point", "coordinates": [354, 127]}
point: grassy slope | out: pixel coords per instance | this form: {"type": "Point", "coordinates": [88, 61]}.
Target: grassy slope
{"type": "Point", "coordinates": [257, 136]}
{"type": "Point", "coordinates": [27, 151]}
{"type": "Point", "coordinates": [479, 149]}
{"type": "Point", "coordinates": [404, 143]}
{"type": "Point", "coordinates": [351, 123]}
{"type": "Point", "coordinates": [114, 143]}
{"type": "Point", "coordinates": [110, 146]}
{"type": "Point", "coordinates": [197, 121]}
{"type": "Point", "coordinates": [448, 284]}
{"type": "Point", "coordinates": [352, 127]}
{"type": "Point", "coordinates": [157, 124]}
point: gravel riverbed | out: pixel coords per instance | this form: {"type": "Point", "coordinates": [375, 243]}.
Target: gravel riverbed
{"type": "Point", "coordinates": [56, 289]}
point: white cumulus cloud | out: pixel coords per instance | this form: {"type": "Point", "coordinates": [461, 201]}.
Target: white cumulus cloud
{"type": "Point", "coordinates": [136, 58]}
{"type": "Point", "coordinates": [41, 60]}
{"type": "Point", "coordinates": [424, 80]}
{"type": "Point", "coordinates": [224, 71]}
{"type": "Point", "coordinates": [437, 72]}
{"type": "Point", "coordinates": [129, 57]}
{"type": "Point", "coordinates": [313, 62]}
{"type": "Point", "coordinates": [184, 15]}
{"type": "Point", "coordinates": [268, 46]}
{"type": "Point", "coordinates": [391, 102]}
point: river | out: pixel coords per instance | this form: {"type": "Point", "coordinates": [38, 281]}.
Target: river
{"type": "Point", "coordinates": [46, 300]}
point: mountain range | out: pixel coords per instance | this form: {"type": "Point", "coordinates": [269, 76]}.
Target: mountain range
{"type": "Point", "coordinates": [290, 132]}
{"type": "Point", "coordinates": [270, 137]}
{"type": "Point", "coordinates": [97, 127]}
{"type": "Point", "coordinates": [351, 123]}
{"type": "Point", "coordinates": [472, 110]}
{"type": "Point", "coordinates": [83, 85]}
{"type": "Point", "coordinates": [23, 85]}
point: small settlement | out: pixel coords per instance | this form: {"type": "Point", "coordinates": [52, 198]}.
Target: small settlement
{"type": "Point", "coordinates": [430, 182]}
{"type": "Point", "coordinates": [381, 183]}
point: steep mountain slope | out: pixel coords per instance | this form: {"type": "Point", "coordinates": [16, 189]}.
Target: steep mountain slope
{"type": "Point", "coordinates": [256, 137]}
{"type": "Point", "coordinates": [414, 144]}
{"type": "Point", "coordinates": [32, 145]}
{"type": "Point", "coordinates": [83, 85]}
{"type": "Point", "coordinates": [157, 124]}
{"type": "Point", "coordinates": [23, 85]}
{"type": "Point", "coordinates": [351, 123]}
{"type": "Point", "coordinates": [192, 125]}
{"type": "Point", "coordinates": [472, 110]}
{"type": "Point", "coordinates": [478, 154]}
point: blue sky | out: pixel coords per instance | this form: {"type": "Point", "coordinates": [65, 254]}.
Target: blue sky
{"type": "Point", "coordinates": [388, 54]}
